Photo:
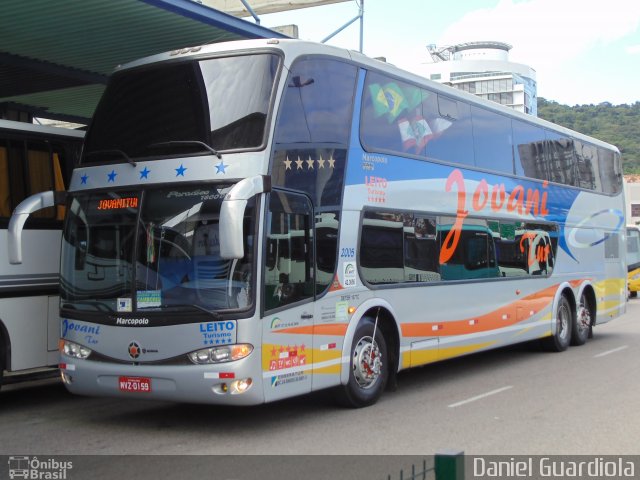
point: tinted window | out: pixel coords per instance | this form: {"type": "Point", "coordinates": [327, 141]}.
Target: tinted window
{"type": "Point", "coordinates": [317, 103]}
{"type": "Point", "coordinates": [398, 247]}
{"type": "Point", "coordinates": [610, 171]}
{"type": "Point", "coordinates": [528, 149]}
{"type": "Point", "coordinates": [452, 138]}
{"type": "Point", "coordinates": [561, 160]}
{"type": "Point", "coordinates": [492, 140]}
{"type": "Point", "coordinates": [319, 172]}
{"type": "Point", "coordinates": [587, 165]}
{"type": "Point", "coordinates": [400, 117]}
{"type": "Point", "coordinates": [633, 248]}
{"type": "Point", "coordinates": [326, 248]}
{"type": "Point", "coordinates": [33, 166]}
{"type": "Point", "coordinates": [524, 248]}
{"type": "Point", "coordinates": [474, 255]}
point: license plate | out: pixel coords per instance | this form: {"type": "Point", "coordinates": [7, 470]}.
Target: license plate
{"type": "Point", "coordinates": [134, 384]}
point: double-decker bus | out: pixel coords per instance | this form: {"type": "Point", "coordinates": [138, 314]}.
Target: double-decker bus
{"type": "Point", "coordinates": [33, 159]}
{"type": "Point", "coordinates": [256, 220]}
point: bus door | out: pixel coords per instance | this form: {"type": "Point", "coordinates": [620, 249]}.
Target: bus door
{"type": "Point", "coordinates": [288, 296]}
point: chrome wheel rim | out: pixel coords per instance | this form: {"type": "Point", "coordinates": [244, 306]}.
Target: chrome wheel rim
{"type": "Point", "coordinates": [564, 317]}
{"type": "Point", "coordinates": [584, 316]}
{"type": "Point", "coordinates": [366, 363]}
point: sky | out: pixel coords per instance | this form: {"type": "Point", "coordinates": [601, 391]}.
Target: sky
{"type": "Point", "coordinates": [583, 51]}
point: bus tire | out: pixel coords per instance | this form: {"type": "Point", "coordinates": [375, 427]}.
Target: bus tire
{"type": "Point", "coordinates": [582, 324]}
{"type": "Point", "coordinates": [368, 367]}
{"type": "Point", "coordinates": [561, 338]}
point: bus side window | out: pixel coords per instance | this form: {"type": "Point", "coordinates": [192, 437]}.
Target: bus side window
{"type": "Point", "coordinates": [5, 200]}
{"type": "Point", "coordinates": [317, 103]}
{"type": "Point", "coordinates": [41, 175]}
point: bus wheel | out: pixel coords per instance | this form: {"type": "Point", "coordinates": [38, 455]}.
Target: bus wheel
{"type": "Point", "coordinates": [581, 327]}
{"type": "Point", "coordinates": [559, 341]}
{"type": "Point", "coordinates": [368, 367]}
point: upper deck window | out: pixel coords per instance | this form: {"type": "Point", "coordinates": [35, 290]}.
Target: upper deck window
{"type": "Point", "coordinates": [317, 102]}
{"type": "Point", "coordinates": [168, 108]}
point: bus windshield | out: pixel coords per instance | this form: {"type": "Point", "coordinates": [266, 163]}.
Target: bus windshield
{"type": "Point", "coordinates": [177, 107]}
{"type": "Point", "coordinates": [133, 251]}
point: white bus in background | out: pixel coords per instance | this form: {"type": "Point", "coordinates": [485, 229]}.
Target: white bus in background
{"type": "Point", "coordinates": [33, 159]}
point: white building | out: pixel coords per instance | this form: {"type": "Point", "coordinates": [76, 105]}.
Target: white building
{"type": "Point", "coordinates": [484, 69]}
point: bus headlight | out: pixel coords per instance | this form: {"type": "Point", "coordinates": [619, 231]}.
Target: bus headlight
{"type": "Point", "coordinates": [226, 353]}
{"type": "Point", "coordinates": [636, 276]}
{"type": "Point", "coordinates": [74, 350]}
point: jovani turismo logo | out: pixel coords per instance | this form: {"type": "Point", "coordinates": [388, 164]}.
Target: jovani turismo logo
{"type": "Point", "coordinates": [40, 469]}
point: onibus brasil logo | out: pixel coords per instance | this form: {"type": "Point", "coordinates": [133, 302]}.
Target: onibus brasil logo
{"type": "Point", "coordinates": [38, 469]}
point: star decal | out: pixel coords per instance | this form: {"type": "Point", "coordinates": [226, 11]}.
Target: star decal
{"type": "Point", "coordinates": [112, 176]}
{"type": "Point", "coordinates": [332, 162]}
{"type": "Point", "coordinates": [83, 179]}
{"type": "Point", "coordinates": [321, 162]}
{"type": "Point", "coordinates": [180, 171]}
{"type": "Point", "coordinates": [309, 163]}
{"type": "Point", "coordinates": [287, 164]}
{"type": "Point", "coordinates": [299, 164]}
{"type": "Point", "coordinates": [220, 167]}
{"type": "Point", "coordinates": [144, 173]}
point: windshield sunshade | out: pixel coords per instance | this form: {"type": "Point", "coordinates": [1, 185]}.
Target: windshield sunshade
{"type": "Point", "coordinates": [183, 107]}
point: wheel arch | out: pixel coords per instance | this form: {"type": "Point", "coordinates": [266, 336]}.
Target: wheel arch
{"type": "Point", "coordinates": [588, 290]}
{"type": "Point", "coordinates": [564, 290]}
{"type": "Point", "coordinates": [388, 324]}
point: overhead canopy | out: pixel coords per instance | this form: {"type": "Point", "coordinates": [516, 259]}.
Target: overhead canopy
{"type": "Point", "coordinates": [56, 56]}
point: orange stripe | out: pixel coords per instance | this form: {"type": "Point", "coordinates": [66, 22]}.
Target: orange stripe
{"type": "Point", "coordinates": [490, 321]}
{"type": "Point", "coordinates": [338, 329]}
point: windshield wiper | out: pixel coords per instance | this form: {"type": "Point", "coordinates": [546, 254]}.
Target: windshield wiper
{"type": "Point", "coordinates": [97, 305]}
{"type": "Point", "coordinates": [116, 151]}
{"type": "Point", "coordinates": [215, 315]}
{"type": "Point", "coordinates": [171, 143]}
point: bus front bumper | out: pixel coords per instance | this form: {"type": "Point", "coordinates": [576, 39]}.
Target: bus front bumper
{"type": "Point", "coordinates": [233, 383]}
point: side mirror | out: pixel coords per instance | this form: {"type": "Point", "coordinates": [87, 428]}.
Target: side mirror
{"type": "Point", "coordinates": [232, 214]}
{"type": "Point", "coordinates": [19, 217]}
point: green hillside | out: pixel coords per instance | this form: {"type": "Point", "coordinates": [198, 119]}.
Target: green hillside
{"type": "Point", "coordinates": [616, 124]}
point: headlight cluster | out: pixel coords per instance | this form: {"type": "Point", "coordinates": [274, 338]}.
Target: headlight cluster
{"type": "Point", "coordinates": [636, 276]}
{"type": "Point", "coordinates": [221, 354]}
{"type": "Point", "coordinates": [73, 349]}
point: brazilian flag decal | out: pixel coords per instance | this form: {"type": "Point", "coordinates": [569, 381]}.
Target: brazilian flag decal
{"type": "Point", "coordinates": [388, 99]}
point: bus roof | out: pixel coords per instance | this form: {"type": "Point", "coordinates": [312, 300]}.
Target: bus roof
{"type": "Point", "coordinates": [293, 48]}
{"type": "Point", "coordinates": [41, 129]}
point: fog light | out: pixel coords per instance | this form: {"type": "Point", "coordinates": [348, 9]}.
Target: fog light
{"type": "Point", "coordinates": [66, 378]}
{"type": "Point", "coordinates": [240, 386]}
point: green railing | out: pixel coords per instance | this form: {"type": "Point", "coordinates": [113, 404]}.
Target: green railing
{"type": "Point", "coordinates": [448, 465]}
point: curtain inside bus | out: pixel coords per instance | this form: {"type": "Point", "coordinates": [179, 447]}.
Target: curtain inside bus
{"type": "Point", "coordinates": [5, 204]}
{"type": "Point", "coordinates": [58, 184]}
{"type": "Point", "coordinates": [40, 177]}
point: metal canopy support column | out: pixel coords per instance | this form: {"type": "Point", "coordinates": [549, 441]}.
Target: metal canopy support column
{"type": "Point", "coordinates": [360, 17]}
{"type": "Point", "coordinates": [250, 10]}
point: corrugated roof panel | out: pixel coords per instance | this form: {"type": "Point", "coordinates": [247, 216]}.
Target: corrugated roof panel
{"type": "Point", "coordinates": [71, 103]}
{"type": "Point", "coordinates": [73, 42]}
